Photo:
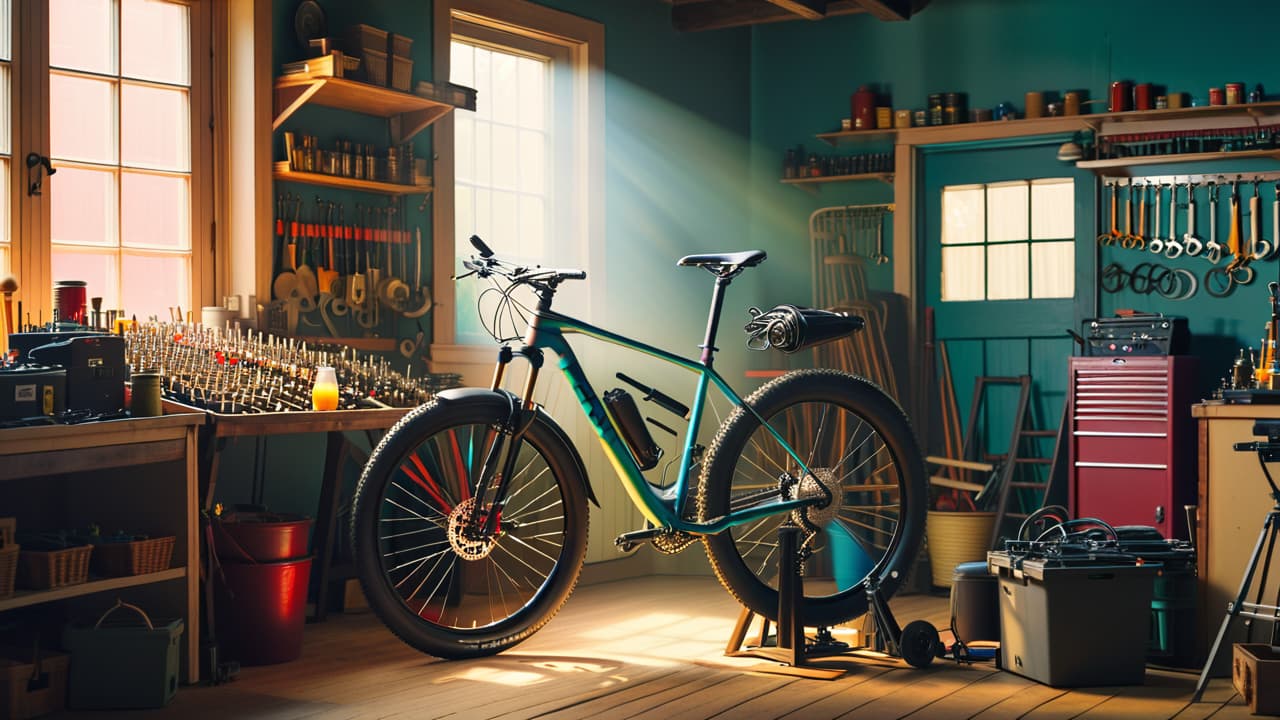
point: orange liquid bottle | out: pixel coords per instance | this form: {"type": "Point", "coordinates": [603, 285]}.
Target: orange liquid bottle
{"type": "Point", "coordinates": [324, 393]}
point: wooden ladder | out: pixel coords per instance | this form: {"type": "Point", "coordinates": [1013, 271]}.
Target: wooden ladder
{"type": "Point", "coordinates": [1011, 483]}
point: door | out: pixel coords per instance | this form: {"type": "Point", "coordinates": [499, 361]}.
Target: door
{"type": "Point", "coordinates": [1008, 258]}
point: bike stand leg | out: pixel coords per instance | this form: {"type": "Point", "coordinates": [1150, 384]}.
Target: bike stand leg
{"type": "Point", "coordinates": [790, 652]}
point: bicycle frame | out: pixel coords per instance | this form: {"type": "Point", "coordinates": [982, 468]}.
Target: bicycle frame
{"type": "Point", "coordinates": [547, 330]}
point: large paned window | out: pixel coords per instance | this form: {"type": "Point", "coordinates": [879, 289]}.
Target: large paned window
{"type": "Point", "coordinates": [120, 119]}
{"type": "Point", "coordinates": [1008, 241]}
{"type": "Point", "coordinates": [127, 84]}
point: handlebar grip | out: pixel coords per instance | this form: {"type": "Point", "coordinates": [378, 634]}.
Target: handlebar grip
{"type": "Point", "coordinates": [575, 275]}
{"type": "Point", "coordinates": [481, 247]}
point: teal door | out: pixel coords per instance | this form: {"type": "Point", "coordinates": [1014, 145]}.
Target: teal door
{"type": "Point", "coordinates": [1008, 256]}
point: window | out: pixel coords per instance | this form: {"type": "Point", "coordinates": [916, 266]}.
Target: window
{"type": "Point", "coordinates": [120, 138]}
{"type": "Point", "coordinates": [1008, 241]}
{"type": "Point", "coordinates": [127, 87]}
{"type": "Point", "coordinates": [525, 170]}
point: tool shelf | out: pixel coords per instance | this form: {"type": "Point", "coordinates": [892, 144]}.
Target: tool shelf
{"type": "Point", "coordinates": [814, 184]}
{"type": "Point", "coordinates": [409, 114]}
{"type": "Point", "coordinates": [1273, 153]}
{"type": "Point", "coordinates": [282, 173]}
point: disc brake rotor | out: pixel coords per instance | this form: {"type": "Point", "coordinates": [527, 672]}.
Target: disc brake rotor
{"type": "Point", "coordinates": [468, 548]}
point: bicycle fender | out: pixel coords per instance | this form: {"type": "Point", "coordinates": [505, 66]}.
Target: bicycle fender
{"type": "Point", "coordinates": [505, 400]}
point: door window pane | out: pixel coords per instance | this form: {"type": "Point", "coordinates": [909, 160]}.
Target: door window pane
{"type": "Point", "coordinates": [4, 109]}
{"type": "Point", "coordinates": [82, 35]}
{"type": "Point", "coordinates": [6, 29]}
{"type": "Point", "coordinates": [963, 215]}
{"type": "Point", "coordinates": [84, 207]}
{"type": "Point", "coordinates": [1007, 272]}
{"type": "Point", "coordinates": [963, 273]}
{"type": "Point", "coordinates": [82, 118]}
{"type": "Point", "coordinates": [4, 202]}
{"type": "Point", "coordinates": [1047, 277]}
{"type": "Point", "coordinates": [1006, 213]}
{"type": "Point", "coordinates": [156, 130]}
{"type": "Point", "coordinates": [155, 211]}
{"type": "Point", "coordinates": [155, 41]}
{"type": "Point", "coordinates": [1053, 209]}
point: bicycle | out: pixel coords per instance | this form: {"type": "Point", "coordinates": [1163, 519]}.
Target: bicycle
{"type": "Point", "coordinates": [469, 523]}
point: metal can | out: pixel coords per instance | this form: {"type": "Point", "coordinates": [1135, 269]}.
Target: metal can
{"type": "Point", "coordinates": [902, 119]}
{"type": "Point", "coordinates": [1142, 96]}
{"type": "Point", "coordinates": [884, 117]}
{"type": "Point", "coordinates": [921, 117]}
{"type": "Point", "coordinates": [146, 395]}
{"type": "Point", "coordinates": [1121, 91]}
{"type": "Point", "coordinates": [1216, 96]}
{"type": "Point", "coordinates": [935, 109]}
{"type": "Point", "coordinates": [1162, 102]}
{"type": "Point", "coordinates": [1034, 106]}
{"type": "Point", "coordinates": [1235, 93]}
{"type": "Point", "coordinates": [1071, 103]}
{"type": "Point", "coordinates": [954, 110]}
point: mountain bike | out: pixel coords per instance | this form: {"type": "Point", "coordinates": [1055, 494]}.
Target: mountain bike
{"type": "Point", "coordinates": [469, 524]}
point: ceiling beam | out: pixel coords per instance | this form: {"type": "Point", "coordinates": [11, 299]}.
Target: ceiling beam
{"type": "Point", "coordinates": [807, 9]}
{"type": "Point", "coordinates": [717, 14]}
{"type": "Point", "coordinates": [893, 10]}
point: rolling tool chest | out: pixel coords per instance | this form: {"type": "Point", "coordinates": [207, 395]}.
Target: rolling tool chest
{"type": "Point", "coordinates": [1133, 440]}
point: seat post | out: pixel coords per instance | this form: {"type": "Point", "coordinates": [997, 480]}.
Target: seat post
{"type": "Point", "coordinates": [713, 320]}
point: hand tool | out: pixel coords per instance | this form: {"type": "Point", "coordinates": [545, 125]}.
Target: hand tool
{"type": "Point", "coordinates": [1189, 239]}
{"type": "Point", "coordinates": [1129, 240]}
{"type": "Point", "coordinates": [281, 262]}
{"type": "Point", "coordinates": [1238, 268]}
{"type": "Point", "coordinates": [422, 293]}
{"type": "Point", "coordinates": [338, 260]}
{"type": "Point", "coordinates": [327, 274]}
{"type": "Point", "coordinates": [357, 296]}
{"type": "Point", "coordinates": [367, 318]}
{"type": "Point", "coordinates": [306, 274]}
{"type": "Point", "coordinates": [1110, 237]}
{"type": "Point", "coordinates": [1157, 242]}
{"type": "Point", "coordinates": [1261, 248]}
{"type": "Point", "coordinates": [1173, 248]}
{"type": "Point", "coordinates": [881, 258]}
{"type": "Point", "coordinates": [1212, 250]}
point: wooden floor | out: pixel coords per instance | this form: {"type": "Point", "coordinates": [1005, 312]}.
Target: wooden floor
{"type": "Point", "coordinates": [650, 648]}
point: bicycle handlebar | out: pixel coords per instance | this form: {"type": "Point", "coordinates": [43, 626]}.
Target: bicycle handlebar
{"type": "Point", "coordinates": [487, 263]}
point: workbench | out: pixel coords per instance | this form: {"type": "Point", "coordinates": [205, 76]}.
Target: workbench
{"type": "Point", "coordinates": [1233, 502]}
{"type": "Point", "coordinates": [68, 476]}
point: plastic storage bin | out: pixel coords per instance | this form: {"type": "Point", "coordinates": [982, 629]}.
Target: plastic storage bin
{"type": "Point", "coordinates": [124, 663]}
{"type": "Point", "coordinates": [975, 603]}
{"type": "Point", "coordinates": [1073, 623]}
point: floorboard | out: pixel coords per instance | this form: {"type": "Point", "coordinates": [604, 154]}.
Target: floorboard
{"type": "Point", "coordinates": [652, 649]}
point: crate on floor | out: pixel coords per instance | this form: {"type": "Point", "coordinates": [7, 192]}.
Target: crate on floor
{"type": "Point", "coordinates": [124, 660]}
{"type": "Point", "coordinates": [9, 550]}
{"type": "Point", "coordinates": [1255, 672]}
{"type": "Point", "coordinates": [34, 682]}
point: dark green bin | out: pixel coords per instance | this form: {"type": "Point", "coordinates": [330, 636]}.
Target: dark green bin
{"type": "Point", "coordinates": [124, 664]}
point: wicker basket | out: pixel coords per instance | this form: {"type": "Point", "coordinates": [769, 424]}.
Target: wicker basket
{"type": "Point", "coordinates": [139, 557]}
{"type": "Point", "coordinates": [48, 570]}
{"type": "Point", "coordinates": [954, 538]}
{"type": "Point", "coordinates": [8, 556]}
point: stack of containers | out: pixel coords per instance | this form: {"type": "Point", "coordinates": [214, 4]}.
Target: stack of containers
{"type": "Point", "coordinates": [370, 45]}
{"type": "Point", "coordinates": [401, 64]}
{"type": "Point", "coordinates": [262, 594]}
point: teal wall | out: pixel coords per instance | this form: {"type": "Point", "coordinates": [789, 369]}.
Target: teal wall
{"type": "Point", "coordinates": [995, 51]}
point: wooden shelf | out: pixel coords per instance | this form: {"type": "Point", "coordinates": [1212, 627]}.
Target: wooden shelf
{"type": "Point", "coordinates": [835, 138]}
{"type": "Point", "coordinates": [283, 173]}
{"type": "Point", "coordinates": [813, 184]}
{"type": "Point", "coordinates": [1179, 158]}
{"type": "Point", "coordinates": [23, 598]}
{"type": "Point", "coordinates": [409, 114]}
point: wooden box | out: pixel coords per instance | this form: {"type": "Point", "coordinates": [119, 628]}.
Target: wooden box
{"type": "Point", "coordinates": [1255, 672]}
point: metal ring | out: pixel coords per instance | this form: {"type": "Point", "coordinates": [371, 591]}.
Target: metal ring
{"type": "Point", "coordinates": [1192, 283]}
{"type": "Point", "coordinates": [1136, 274]}
{"type": "Point", "coordinates": [1169, 285]}
{"type": "Point", "coordinates": [1218, 288]}
{"type": "Point", "coordinates": [1246, 270]}
{"type": "Point", "coordinates": [1114, 278]}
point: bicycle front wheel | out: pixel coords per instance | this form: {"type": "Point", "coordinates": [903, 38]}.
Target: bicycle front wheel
{"type": "Point", "coordinates": [857, 445]}
{"type": "Point", "coordinates": [432, 581]}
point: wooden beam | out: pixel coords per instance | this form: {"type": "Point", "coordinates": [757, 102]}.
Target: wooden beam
{"type": "Point", "coordinates": [807, 9]}
{"type": "Point", "coordinates": [717, 14]}
{"type": "Point", "coordinates": [893, 10]}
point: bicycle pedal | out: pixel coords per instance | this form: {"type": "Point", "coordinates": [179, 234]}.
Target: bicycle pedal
{"type": "Point", "coordinates": [629, 541]}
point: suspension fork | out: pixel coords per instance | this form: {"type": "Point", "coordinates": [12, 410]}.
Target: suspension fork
{"type": "Point", "coordinates": [509, 438]}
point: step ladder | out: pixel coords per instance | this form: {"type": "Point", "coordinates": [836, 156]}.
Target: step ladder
{"type": "Point", "coordinates": [1012, 503]}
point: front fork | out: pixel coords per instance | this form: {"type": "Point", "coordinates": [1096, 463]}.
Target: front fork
{"type": "Point", "coordinates": [509, 436]}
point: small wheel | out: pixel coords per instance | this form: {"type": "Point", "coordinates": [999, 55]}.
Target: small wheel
{"type": "Point", "coordinates": [919, 643]}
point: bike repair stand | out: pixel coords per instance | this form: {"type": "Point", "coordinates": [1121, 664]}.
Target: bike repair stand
{"type": "Point", "coordinates": [917, 645]}
{"type": "Point", "coordinates": [1267, 452]}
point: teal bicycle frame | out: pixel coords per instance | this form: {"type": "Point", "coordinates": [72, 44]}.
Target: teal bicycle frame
{"type": "Point", "coordinates": [547, 330]}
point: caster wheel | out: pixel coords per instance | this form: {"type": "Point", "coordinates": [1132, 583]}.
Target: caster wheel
{"type": "Point", "coordinates": [920, 643]}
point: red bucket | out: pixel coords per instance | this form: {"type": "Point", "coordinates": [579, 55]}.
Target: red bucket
{"type": "Point", "coordinates": [261, 610]}
{"type": "Point", "coordinates": [261, 537]}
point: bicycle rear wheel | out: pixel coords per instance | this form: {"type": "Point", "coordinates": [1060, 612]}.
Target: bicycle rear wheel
{"type": "Point", "coordinates": [858, 444]}
{"type": "Point", "coordinates": [439, 587]}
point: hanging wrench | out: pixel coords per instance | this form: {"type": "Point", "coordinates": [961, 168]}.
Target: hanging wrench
{"type": "Point", "coordinates": [1157, 244]}
{"type": "Point", "coordinates": [1261, 248]}
{"type": "Point", "coordinates": [1194, 246]}
{"type": "Point", "coordinates": [1173, 248]}
{"type": "Point", "coordinates": [1213, 251]}
{"type": "Point", "coordinates": [880, 258]}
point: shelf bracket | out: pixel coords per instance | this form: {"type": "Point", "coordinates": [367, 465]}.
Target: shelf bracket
{"type": "Point", "coordinates": [407, 124]}
{"type": "Point", "coordinates": [289, 99]}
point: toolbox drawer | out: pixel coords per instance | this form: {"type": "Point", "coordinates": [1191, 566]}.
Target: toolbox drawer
{"type": "Point", "coordinates": [1124, 495]}
{"type": "Point", "coordinates": [1122, 448]}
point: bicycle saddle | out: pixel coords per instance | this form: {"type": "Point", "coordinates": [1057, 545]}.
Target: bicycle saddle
{"type": "Point", "coordinates": [735, 260]}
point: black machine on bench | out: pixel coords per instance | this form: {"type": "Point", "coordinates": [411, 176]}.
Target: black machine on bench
{"type": "Point", "coordinates": [1139, 334]}
{"type": "Point", "coordinates": [81, 372]}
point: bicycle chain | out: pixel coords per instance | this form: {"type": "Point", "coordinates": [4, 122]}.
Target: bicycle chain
{"type": "Point", "coordinates": [1146, 278]}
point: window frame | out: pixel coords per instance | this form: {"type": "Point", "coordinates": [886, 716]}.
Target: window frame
{"type": "Point", "coordinates": [584, 41]}
{"type": "Point", "coordinates": [31, 216]}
